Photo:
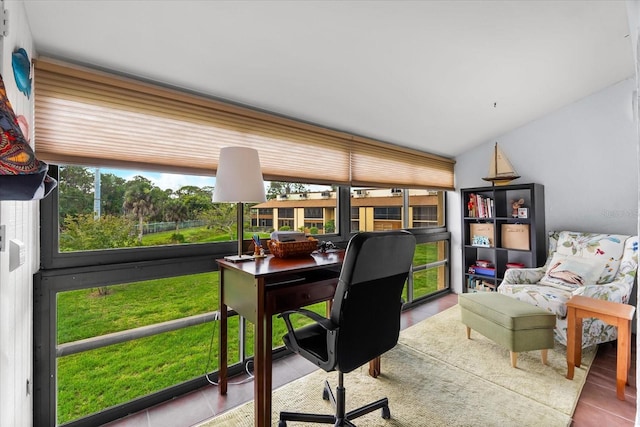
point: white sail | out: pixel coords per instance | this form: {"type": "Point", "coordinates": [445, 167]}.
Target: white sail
{"type": "Point", "coordinates": [500, 169]}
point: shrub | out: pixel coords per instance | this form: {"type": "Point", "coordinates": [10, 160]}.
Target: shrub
{"type": "Point", "coordinates": [177, 238]}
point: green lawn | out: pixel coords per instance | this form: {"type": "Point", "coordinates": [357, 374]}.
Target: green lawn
{"type": "Point", "coordinates": [91, 381]}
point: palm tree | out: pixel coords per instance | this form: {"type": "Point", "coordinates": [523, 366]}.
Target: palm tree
{"type": "Point", "coordinates": [176, 211]}
{"type": "Point", "coordinates": [138, 201]}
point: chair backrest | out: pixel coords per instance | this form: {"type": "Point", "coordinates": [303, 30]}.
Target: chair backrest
{"type": "Point", "coordinates": [619, 251]}
{"type": "Point", "coordinates": [368, 299]}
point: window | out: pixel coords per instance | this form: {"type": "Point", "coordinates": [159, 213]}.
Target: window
{"type": "Point", "coordinates": [425, 214]}
{"type": "Point", "coordinates": [302, 207]}
{"type": "Point", "coordinates": [313, 213]}
{"type": "Point", "coordinates": [285, 213]}
{"type": "Point", "coordinates": [426, 208]}
{"type": "Point", "coordinates": [391, 208]}
{"type": "Point", "coordinates": [387, 213]}
{"type": "Point", "coordinates": [430, 268]}
{"type": "Point", "coordinates": [262, 219]}
{"type": "Point", "coordinates": [107, 375]}
{"type": "Point", "coordinates": [115, 208]}
{"type": "Point", "coordinates": [97, 236]}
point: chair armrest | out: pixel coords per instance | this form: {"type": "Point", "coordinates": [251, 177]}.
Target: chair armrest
{"type": "Point", "coordinates": [327, 324]}
{"type": "Point", "coordinates": [617, 291]}
{"type": "Point", "coordinates": [523, 275]}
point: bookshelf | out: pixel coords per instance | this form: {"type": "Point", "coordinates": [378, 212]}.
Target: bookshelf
{"type": "Point", "coordinates": [494, 240]}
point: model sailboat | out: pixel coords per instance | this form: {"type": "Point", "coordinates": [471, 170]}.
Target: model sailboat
{"type": "Point", "coordinates": [500, 170]}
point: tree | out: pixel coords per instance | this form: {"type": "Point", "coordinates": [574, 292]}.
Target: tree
{"type": "Point", "coordinates": [195, 199]}
{"type": "Point", "coordinates": [221, 218]}
{"type": "Point", "coordinates": [277, 188]}
{"type": "Point", "coordinates": [160, 199]}
{"type": "Point", "coordinates": [84, 232]}
{"type": "Point", "coordinates": [75, 191]}
{"type": "Point", "coordinates": [175, 211]}
{"type": "Point", "coordinates": [330, 226]}
{"type": "Point", "coordinates": [112, 190]}
{"type": "Point", "coordinates": [138, 201]}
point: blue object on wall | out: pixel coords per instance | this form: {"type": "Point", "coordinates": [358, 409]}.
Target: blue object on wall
{"type": "Point", "coordinates": [22, 70]}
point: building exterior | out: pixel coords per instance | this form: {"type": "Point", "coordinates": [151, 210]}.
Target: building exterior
{"type": "Point", "coordinates": [372, 209]}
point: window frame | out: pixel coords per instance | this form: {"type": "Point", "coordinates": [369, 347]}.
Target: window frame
{"type": "Point", "coordinates": [86, 269]}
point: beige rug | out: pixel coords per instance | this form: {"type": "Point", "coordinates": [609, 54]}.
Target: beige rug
{"type": "Point", "coordinates": [436, 377]}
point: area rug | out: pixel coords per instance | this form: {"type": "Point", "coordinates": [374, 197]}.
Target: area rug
{"type": "Point", "coordinates": [436, 377]}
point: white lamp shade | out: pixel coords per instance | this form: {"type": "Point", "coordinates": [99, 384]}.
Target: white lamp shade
{"type": "Point", "coordinates": [239, 177]}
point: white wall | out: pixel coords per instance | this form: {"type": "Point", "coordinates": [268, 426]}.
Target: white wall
{"type": "Point", "coordinates": [22, 223]}
{"type": "Point", "coordinates": [585, 155]}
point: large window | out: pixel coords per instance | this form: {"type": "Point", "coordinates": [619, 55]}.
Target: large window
{"type": "Point", "coordinates": [123, 235]}
{"type": "Point", "coordinates": [430, 269]}
{"type": "Point", "coordinates": [115, 208]}
{"type": "Point", "coordinates": [393, 208]}
{"type": "Point", "coordinates": [127, 320]}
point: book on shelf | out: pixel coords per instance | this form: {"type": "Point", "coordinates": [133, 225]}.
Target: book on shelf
{"type": "Point", "coordinates": [475, 284]}
{"type": "Point", "coordinates": [515, 265]}
{"type": "Point", "coordinates": [484, 271]}
{"type": "Point", "coordinates": [484, 263]}
{"type": "Point", "coordinates": [480, 206]}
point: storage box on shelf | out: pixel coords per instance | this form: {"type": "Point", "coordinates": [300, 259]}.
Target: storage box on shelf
{"type": "Point", "coordinates": [493, 232]}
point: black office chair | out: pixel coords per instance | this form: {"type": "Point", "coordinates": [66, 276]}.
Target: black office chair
{"type": "Point", "coordinates": [364, 322]}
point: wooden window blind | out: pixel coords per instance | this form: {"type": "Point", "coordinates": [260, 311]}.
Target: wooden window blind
{"type": "Point", "coordinates": [94, 118]}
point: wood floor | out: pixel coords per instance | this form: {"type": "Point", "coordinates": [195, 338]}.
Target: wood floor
{"type": "Point", "coordinates": [597, 407]}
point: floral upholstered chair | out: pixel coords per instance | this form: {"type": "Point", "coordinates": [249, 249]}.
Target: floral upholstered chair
{"type": "Point", "coordinates": [601, 266]}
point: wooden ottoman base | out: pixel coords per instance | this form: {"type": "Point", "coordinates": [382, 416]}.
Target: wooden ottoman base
{"type": "Point", "coordinates": [514, 324]}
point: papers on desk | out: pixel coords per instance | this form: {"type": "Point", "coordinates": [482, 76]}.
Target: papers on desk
{"type": "Point", "coordinates": [288, 236]}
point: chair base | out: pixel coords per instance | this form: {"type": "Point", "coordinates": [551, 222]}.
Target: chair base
{"type": "Point", "coordinates": [340, 418]}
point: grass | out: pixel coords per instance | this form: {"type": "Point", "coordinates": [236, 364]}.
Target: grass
{"type": "Point", "coordinates": [94, 380]}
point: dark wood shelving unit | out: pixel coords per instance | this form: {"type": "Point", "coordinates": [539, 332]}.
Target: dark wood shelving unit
{"type": "Point", "coordinates": [502, 197]}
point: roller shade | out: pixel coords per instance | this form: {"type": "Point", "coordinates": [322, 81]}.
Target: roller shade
{"type": "Point", "coordinates": [94, 118]}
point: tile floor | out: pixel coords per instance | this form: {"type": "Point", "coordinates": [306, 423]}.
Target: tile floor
{"type": "Point", "coordinates": [597, 407]}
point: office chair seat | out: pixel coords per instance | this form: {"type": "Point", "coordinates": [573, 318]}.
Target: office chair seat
{"type": "Point", "coordinates": [364, 321]}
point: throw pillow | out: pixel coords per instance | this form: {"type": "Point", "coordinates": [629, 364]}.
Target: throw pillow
{"type": "Point", "coordinates": [592, 245]}
{"type": "Point", "coordinates": [570, 273]}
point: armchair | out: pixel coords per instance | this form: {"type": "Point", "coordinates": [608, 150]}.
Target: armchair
{"type": "Point", "coordinates": [364, 321]}
{"type": "Point", "coordinates": [601, 266]}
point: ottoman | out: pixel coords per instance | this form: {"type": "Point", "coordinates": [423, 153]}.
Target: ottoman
{"type": "Point", "coordinates": [514, 324]}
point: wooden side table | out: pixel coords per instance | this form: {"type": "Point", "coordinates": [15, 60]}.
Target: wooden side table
{"type": "Point", "coordinates": [612, 313]}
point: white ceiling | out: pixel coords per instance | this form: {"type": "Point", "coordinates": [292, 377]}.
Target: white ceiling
{"type": "Point", "coordinates": [421, 74]}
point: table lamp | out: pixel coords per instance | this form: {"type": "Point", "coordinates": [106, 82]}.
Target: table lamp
{"type": "Point", "coordinates": [239, 180]}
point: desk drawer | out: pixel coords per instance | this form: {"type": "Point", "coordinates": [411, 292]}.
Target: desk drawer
{"type": "Point", "coordinates": [299, 295]}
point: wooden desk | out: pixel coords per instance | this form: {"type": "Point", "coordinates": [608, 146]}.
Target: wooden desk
{"type": "Point", "coordinates": [613, 313]}
{"type": "Point", "coordinates": [259, 289]}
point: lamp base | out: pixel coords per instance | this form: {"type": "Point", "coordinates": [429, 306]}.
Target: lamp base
{"type": "Point", "coordinates": [239, 258]}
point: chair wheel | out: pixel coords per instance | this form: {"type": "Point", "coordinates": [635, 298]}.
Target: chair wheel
{"type": "Point", "coordinates": [282, 423]}
{"type": "Point", "coordinates": [386, 413]}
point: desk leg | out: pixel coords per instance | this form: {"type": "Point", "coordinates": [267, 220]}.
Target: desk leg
{"type": "Point", "coordinates": [222, 342]}
{"type": "Point", "coordinates": [624, 356]}
{"type": "Point", "coordinates": [268, 368]}
{"type": "Point", "coordinates": [262, 363]}
{"type": "Point", "coordinates": [571, 341]}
